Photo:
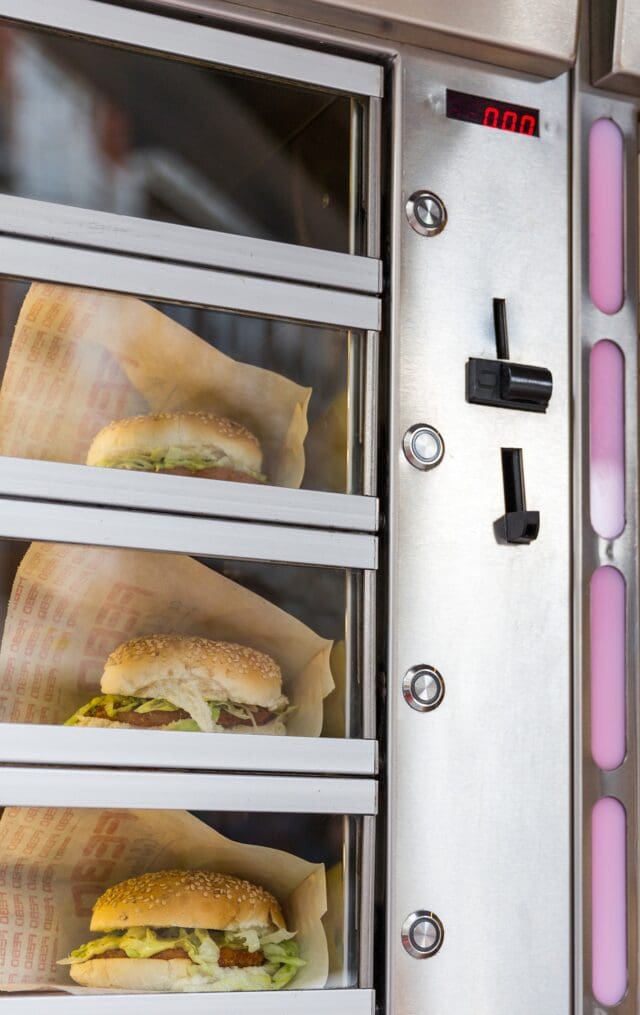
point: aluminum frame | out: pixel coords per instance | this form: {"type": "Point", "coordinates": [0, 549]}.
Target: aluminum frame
{"type": "Point", "coordinates": [86, 227]}
{"type": "Point", "coordinates": [60, 523]}
{"type": "Point", "coordinates": [39, 786]}
{"type": "Point", "coordinates": [35, 744]}
{"type": "Point", "coordinates": [287, 1002]}
{"type": "Point", "coordinates": [470, 791]}
{"type": "Point", "coordinates": [591, 551]}
{"type": "Point", "coordinates": [177, 283]}
{"type": "Point", "coordinates": [157, 34]}
{"type": "Point", "coordinates": [83, 484]}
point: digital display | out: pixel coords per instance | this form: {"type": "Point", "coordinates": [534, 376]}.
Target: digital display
{"type": "Point", "coordinates": [493, 113]}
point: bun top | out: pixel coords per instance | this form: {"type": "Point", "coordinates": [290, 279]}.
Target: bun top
{"type": "Point", "coordinates": [178, 898]}
{"type": "Point", "coordinates": [169, 665]}
{"type": "Point", "coordinates": [197, 432]}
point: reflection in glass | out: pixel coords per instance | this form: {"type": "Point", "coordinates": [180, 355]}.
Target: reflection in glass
{"type": "Point", "coordinates": [98, 127]}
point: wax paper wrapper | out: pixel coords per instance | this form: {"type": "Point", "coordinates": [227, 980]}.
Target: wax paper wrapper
{"type": "Point", "coordinates": [81, 358]}
{"type": "Point", "coordinates": [55, 862]}
{"type": "Point", "coordinates": [70, 606]}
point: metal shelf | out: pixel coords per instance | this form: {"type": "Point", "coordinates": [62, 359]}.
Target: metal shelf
{"type": "Point", "coordinates": [25, 519]}
{"type": "Point", "coordinates": [57, 481]}
{"type": "Point", "coordinates": [286, 1002]}
{"type": "Point", "coordinates": [227, 752]}
{"type": "Point", "coordinates": [85, 787]}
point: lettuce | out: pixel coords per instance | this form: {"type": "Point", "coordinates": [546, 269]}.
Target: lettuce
{"type": "Point", "coordinates": [194, 459]}
{"type": "Point", "coordinates": [203, 948]}
{"type": "Point", "coordinates": [117, 705]}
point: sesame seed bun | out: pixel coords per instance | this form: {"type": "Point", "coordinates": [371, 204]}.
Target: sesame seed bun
{"type": "Point", "coordinates": [195, 432]}
{"type": "Point", "coordinates": [178, 898]}
{"type": "Point", "coordinates": [190, 671]}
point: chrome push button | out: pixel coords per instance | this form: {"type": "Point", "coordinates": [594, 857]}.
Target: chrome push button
{"type": "Point", "coordinates": [423, 446]}
{"type": "Point", "coordinates": [422, 934]}
{"type": "Point", "coordinates": [423, 688]}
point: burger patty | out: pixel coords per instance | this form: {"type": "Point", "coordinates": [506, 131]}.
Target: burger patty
{"type": "Point", "coordinates": [149, 720]}
{"type": "Point", "coordinates": [232, 475]}
{"type": "Point", "coordinates": [229, 957]}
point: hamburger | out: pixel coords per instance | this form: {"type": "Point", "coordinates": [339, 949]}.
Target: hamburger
{"type": "Point", "coordinates": [186, 931]}
{"type": "Point", "coordinates": [181, 682]}
{"type": "Point", "coordinates": [180, 444]}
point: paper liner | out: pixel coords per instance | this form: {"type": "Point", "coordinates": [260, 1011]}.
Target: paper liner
{"type": "Point", "coordinates": [81, 358]}
{"type": "Point", "coordinates": [55, 862]}
{"type": "Point", "coordinates": [70, 606]}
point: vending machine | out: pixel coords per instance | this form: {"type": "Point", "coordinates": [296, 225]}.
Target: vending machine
{"type": "Point", "coordinates": [318, 507]}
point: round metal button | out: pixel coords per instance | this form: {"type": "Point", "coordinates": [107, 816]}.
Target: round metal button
{"type": "Point", "coordinates": [426, 213]}
{"type": "Point", "coordinates": [422, 934]}
{"type": "Point", "coordinates": [423, 446]}
{"type": "Point", "coordinates": [423, 688]}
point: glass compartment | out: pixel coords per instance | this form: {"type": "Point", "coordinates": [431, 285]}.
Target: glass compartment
{"type": "Point", "coordinates": [67, 609]}
{"type": "Point", "coordinates": [98, 127]}
{"type": "Point", "coordinates": [56, 862]}
{"type": "Point", "coordinates": [76, 360]}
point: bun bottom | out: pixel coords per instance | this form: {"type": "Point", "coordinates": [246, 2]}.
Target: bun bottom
{"type": "Point", "coordinates": [271, 729]}
{"type": "Point", "coordinates": [175, 975]}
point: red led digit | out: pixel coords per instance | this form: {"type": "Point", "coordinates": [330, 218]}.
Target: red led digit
{"type": "Point", "coordinates": [491, 115]}
{"type": "Point", "coordinates": [527, 124]}
{"type": "Point", "coordinates": [509, 120]}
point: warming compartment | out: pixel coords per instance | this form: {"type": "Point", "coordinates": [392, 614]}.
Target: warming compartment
{"type": "Point", "coordinates": [249, 647]}
{"type": "Point", "coordinates": [67, 836]}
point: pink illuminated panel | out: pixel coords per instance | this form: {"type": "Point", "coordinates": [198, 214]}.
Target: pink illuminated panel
{"type": "Point", "coordinates": [609, 907]}
{"type": "Point", "coordinates": [606, 427]}
{"type": "Point", "coordinates": [606, 216]}
{"type": "Point", "coordinates": [608, 707]}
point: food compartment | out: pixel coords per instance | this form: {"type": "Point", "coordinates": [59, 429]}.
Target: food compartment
{"type": "Point", "coordinates": [57, 861]}
{"type": "Point", "coordinates": [104, 128]}
{"type": "Point", "coordinates": [151, 389]}
{"type": "Point", "coordinates": [153, 645]}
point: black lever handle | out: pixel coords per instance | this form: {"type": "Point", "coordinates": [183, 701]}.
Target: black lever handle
{"type": "Point", "coordinates": [505, 384]}
{"type": "Point", "coordinates": [517, 524]}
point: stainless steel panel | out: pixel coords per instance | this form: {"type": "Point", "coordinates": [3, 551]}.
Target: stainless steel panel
{"type": "Point", "coordinates": [173, 283]}
{"type": "Point", "coordinates": [197, 42]}
{"type": "Point", "coordinates": [61, 787]}
{"type": "Point", "coordinates": [479, 823]}
{"type": "Point", "coordinates": [289, 1002]}
{"type": "Point", "coordinates": [592, 551]}
{"type": "Point", "coordinates": [103, 230]}
{"type": "Point", "coordinates": [615, 45]}
{"type": "Point", "coordinates": [58, 745]}
{"type": "Point", "coordinates": [23, 477]}
{"type": "Point", "coordinates": [22, 519]}
{"type": "Point", "coordinates": [539, 38]}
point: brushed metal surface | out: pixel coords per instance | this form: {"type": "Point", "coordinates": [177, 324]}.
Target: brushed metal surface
{"type": "Point", "coordinates": [35, 744]}
{"type": "Point", "coordinates": [193, 791]}
{"type": "Point", "coordinates": [289, 1002]}
{"type": "Point", "coordinates": [179, 283]}
{"type": "Point", "coordinates": [615, 45]}
{"type": "Point", "coordinates": [57, 223]}
{"type": "Point", "coordinates": [536, 37]}
{"type": "Point", "coordinates": [479, 827]}
{"type": "Point", "coordinates": [591, 551]}
{"type": "Point", "coordinates": [24, 519]}
{"type": "Point", "coordinates": [82, 484]}
{"type": "Point", "coordinates": [120, 25]}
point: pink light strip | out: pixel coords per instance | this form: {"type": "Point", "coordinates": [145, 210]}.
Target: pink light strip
{"type": "Point", "coordinates": [608, 671]}
{"type": "Point", "coordinates": [606, 426]}
{"type": "Point", "coordinates": [609, 903]}
{"type": "Point", "coordinates": [606, 216]}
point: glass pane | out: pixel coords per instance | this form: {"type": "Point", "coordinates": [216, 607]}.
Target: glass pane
{"type": "Point", "coordinates": [77, 361]}
{"type": "Point", "coordinates": [50, 857]}
{"type": "Point", "coordinates": [93, 126]}
{"type": "Point", "coordinates": [136, 639]}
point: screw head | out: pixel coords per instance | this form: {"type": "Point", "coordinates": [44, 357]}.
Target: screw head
{"type": "Point", "coordinates": [426, 213]}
